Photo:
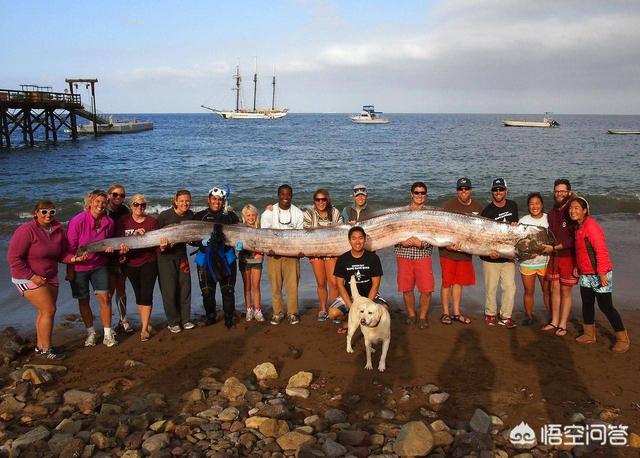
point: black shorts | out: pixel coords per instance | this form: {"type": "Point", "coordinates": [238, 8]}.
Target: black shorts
{"type": "Point", "coordinates": [143, 281]}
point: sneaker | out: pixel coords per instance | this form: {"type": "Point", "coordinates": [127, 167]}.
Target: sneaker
{"type": "Point", "coordinates": [294, 319]}
{"type": "Point", "coordinates": [109, 340]}
{"type": "Point", "coordinates": [188, 325]}
{"type": "Point", "coordinates": [91, 339]}
{"type": "Point", "coordinates": [490, 320]}
{"type": "Point", "coordinates": [258, 315]}
{"type": "Point", "coordinates": [277, 318]}
{"type": "Point", "coordinates": [174, 329]}
{"type": "Point", "coordinates": [249, 314]}
{"type": "Point", "coordinates": [507, 322]}
{"type": "Point", "coordinates": [125, 326]}
{"type": "Point", "coordinates": [49, 354]}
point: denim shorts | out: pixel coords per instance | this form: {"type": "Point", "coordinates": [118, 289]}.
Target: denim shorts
{"type": "Point", "coordinates": [99, 279]}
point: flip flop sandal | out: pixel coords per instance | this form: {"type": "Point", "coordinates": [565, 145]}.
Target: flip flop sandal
{"type": "Point", "coordinates": [336, 321]}
{"type": "Point", "coordinates": [561, 332]}
{"type": "Point", "coordinates": [461, 319]}
{"type": "Point", "coordinates": [549, 327]}
{"type": "Point", "coordinates": [323, 316]}
{"type": "Point", "coordinates": [411, 320]}
{"type": "Point", "coordinates": [423, 324]}
{"type": "Point", "coordinates": [342, 330]}
{"type": "Point", "coordinates": [445, 319]}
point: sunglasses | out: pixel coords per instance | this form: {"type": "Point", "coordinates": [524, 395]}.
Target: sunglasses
{"type": "Point", "coordinates": [419, 193]}
{"type": "Point", "coordinates": [320, 199]}
{"type": "Point", "coordinates": [47, 211]}
{"type": "Point", "coordinates": [115, 195]}
{"type": "Point", "coordinates": [498, 189]}
{"type": "Point", "coordinates": [142, 205]}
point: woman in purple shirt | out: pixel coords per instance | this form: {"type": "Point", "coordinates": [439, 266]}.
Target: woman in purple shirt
{"type": "Point", "coordinates": [35, 250]}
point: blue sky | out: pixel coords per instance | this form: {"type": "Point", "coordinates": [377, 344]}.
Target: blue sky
{"type": "Point", "coordinates": [410, 56]}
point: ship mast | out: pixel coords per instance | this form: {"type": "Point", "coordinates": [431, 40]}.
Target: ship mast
{"type": "Point", "coordinates": [255, 85]}
{"type": "Point", "coordinates": [237, 88]}
{"type": "Point", "coordinates": [273, 96]}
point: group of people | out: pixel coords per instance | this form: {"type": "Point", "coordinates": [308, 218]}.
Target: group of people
{"type": "Point", "coordinates": [579, 256]}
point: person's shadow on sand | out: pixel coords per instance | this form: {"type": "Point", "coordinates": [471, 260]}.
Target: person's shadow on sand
{"type": "Point", "coordinates": [467, 373]}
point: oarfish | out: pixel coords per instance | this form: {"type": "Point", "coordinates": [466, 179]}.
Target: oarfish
{"type": "Point", "coordinates": [472, 234]}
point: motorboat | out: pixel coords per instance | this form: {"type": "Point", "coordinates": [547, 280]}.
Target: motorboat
{"type": "Point", "coordinates": [369, 115]}
{"type": "Point", "coordinates": [623, 132]}
{"type": "Point", "coordinates": [547, 121]}
{"type": "Point", "coordinates": [129, 126]}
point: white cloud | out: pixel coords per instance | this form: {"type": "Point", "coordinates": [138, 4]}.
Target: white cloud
{"type": "Point", "coordinates": [167, 72]}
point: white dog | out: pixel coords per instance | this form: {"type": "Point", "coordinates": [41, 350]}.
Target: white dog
{"type": "Point", "coordinates": [375, 324]}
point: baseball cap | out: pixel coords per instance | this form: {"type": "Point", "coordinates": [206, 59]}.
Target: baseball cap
{"type": "Point", "coordinates": [499, 183]}
{"type": "Point", "coordinates": [463, 183]}
{"type": "Point", "coordinates": [359, 189]}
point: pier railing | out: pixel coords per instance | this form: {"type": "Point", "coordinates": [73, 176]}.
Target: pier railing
{"type": "Point", "coordinates": [10, 97]}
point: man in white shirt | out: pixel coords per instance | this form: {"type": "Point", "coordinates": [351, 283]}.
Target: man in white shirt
{"type": "Point", "coordinates": [283, 270]}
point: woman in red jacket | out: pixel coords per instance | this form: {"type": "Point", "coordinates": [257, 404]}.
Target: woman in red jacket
{"type": "Point", "coordinates": [596, 276]}
{"type": "Point", "coordinates": [35, 250]}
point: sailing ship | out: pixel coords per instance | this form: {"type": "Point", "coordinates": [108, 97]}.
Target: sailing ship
{"type": "Point", "coordinates": [256, 113]}
{"type": "Point", "coordinates": [547, 121]}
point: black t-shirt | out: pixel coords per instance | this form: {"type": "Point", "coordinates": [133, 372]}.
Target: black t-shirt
{"type": "Point", "coordinates": [508, 213]}
{"type": "Point", "coordinates": [214, 217]}
{"type": "Point", "coordinates": [167, 218]}
{"type": "Point", "coordinates": [364, 268]}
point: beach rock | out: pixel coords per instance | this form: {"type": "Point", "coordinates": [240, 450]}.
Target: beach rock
{"type": "Point", "coordinates": [332, 448]}
{"type": "Point", "coordinates": [634, 440]}
{"type": "Point", "coordinates": [353, 438]}
{"type": "Point", "coordinates": [36, 434]}
{"type": "Point", "coordinates": [265, 371]}
{"type": "Point", "coordinates": [155, 443]}
{"type": "Point", "coordinates": [386, 414]}
{"type": "Point", "coordinates": [465, 443]}
{"type": "Point", "coordinates": [100, 440]}
{"type": "Point", "coordinates": [255, 422]}
{"type": "Point", "coordinates": [233, 389]}
{"type": "Point", "coordinates": [110, 409]}
{"type": "Point", "coordinates": [437, 399]}
{"type": "Point", "coordinates": [133, 363]}
{"type": "Point", "coordinates": [297, 392]}
{"type": "Point", "coordinates": [210, 414]}
{"type": "Point", "coordinates": [429, 388]}
{"type": "Point", "coordinates": [11, 345]}
{"type": "Point", "coordinates": [300, 380]}
{"type": "Point", "coordinates": [209, 384]}
{"type": "Point", "coordinates": [68, 426]}
{"type": "Point", "coordinates": [51, 368]}
{"type": "Point", "coordinates": [609, 415]}
{"type": "Point", "coordinates": [85, 401]}
{"type": "Point", "coordinates": [58, 442]}
{"type": "Point", "coordinates": [496, 421]}
{"type": "Point", "coordinates": [273, 428]}
{"type": "Point", "coordinates": [480, 421]}
{"type": "Point", "coordinates": [11, 405]}
{"type": "Point", "coordinates": [577, 418]}
{"type": "Point", "coordinates": [523, 455]}
{"type": "Point", "coordinates": [194, 395]}
{"type": "Point", "coordinates": [335, 416]}
{"type": "Point", "coordinates": [439, 425]}
{"type": "Point", "coordinates": [442, 438]}
{"type": "Point", "coordinates": [228, 414]}
{"type": "Point", "coordinates": [427, 413]}
{"type": "Point", "coordinates": [72, 449]}
{"type": "Point", "coordinates": [293, 440]}
{"type": "Point", "coordinates": [415, 439]}
{"type": "Point", "coordinates": [276, 410]}
{"type": "Point", "coordinates": [132, 454]}
{"type": "Point", "coordinates": [134, 440]}
{"type": "Point", "coordinates": [158, 426]}
{"type": "Point", "coordinates": [36, 376]}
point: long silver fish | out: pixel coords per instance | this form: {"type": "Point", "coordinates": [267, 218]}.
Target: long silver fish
{"type": "Point", "coordinates": [473, 234]}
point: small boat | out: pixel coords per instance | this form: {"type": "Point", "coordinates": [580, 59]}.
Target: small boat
{"type": "Point", "coordinates": [547, 121]}
{"type": "Point", "coordinates": [623, 132]}
{"type": "Point", "coordinates": [369, 115]}
{"type": "Point", "coordinates": [256, 113]}
{"type": "Point", "coordinates": [117, 127]}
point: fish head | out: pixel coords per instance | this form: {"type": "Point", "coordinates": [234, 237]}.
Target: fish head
{"type": "Point", "coordinates": [532, 244]}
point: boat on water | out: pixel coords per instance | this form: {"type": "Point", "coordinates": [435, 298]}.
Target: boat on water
{"type": "Point", "coordinates": [256, 113]}
{"type": "Point", "coordinates": [623, 132]}
{"type": "Point", "coordinates": [369, 115]}
{"type": "Point", "coordinates": [547, 121]}
{"type": "Point", "coordinates": [117, 127]}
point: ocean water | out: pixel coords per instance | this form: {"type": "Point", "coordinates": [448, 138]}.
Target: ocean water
{"type": "Point", "coordinates": [308, 151]}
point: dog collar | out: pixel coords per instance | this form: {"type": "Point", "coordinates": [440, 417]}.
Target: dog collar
{"type": "Point", "coordinates": [375, 325]}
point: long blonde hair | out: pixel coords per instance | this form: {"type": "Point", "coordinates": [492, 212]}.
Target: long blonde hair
{"type": "Point", "coordinates": [246, 210]}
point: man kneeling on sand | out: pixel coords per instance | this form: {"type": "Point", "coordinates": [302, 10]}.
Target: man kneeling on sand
{"type": "Point", "coordinates": [367, 269]}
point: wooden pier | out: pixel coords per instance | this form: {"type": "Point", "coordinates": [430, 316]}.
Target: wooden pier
{"type": "Point", "coordinates": [36, 107]}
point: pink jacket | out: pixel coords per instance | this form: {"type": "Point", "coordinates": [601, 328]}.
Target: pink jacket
{"type": "Point", "coordinates": [591, 229]}
{"type": "Point", "coordinates": [35, 251]}
{"type": "Point", "coordinates": [81, 232]}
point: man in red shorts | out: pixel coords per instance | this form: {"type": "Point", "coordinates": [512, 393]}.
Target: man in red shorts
{"type": "Point", "coordinates": [457, 268]}
{"type": "Point", "coordinates": [561, 270]}
{"type": "Point", "coordinates": [414, 266]}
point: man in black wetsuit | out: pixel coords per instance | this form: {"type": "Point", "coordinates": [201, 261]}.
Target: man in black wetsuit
{"type": "Point", "coordinates": [217, 213]}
